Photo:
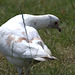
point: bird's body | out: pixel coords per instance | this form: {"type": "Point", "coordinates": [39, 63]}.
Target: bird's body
{"type": "Point", "coordinates": [18, 48]}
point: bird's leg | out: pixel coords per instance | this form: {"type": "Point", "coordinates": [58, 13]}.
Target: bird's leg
{"type": "Point", "coordinates": [20, 70]}
{"type": "Point", "coordinates": [27, 70]}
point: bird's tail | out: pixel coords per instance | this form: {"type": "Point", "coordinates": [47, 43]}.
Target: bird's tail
{"type": "Point", "coordinates": [45, 58]}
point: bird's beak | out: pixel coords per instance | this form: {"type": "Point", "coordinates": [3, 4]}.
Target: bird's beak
{"type": "Point", "coordinates": [59, 29]}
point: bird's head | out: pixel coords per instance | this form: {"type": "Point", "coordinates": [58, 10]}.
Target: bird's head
{"type": "Point", "coordinates": [54, 22]}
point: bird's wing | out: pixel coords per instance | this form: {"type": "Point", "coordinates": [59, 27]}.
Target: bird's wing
{"type": "Point", "coordinates": [20, 47]}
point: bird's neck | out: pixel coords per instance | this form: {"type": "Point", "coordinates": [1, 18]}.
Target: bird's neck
{"type": "Point", "coordinates": [38, 22]}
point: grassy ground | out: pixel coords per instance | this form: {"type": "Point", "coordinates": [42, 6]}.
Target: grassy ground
{"type": "Point", "coordinates": [61, 44]}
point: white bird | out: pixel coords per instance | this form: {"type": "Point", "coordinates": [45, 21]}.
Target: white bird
{"type": "Point", "coordinates": [36, 21]}
{"type": "Point", "coordinates": [20, 50]}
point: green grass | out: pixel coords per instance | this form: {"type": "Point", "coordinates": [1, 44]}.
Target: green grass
{"type": "Point", "coordinates": [61, 44]}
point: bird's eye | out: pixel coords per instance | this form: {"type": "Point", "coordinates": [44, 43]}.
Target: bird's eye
{"type": "Point", "coordinates": [56, 23]}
